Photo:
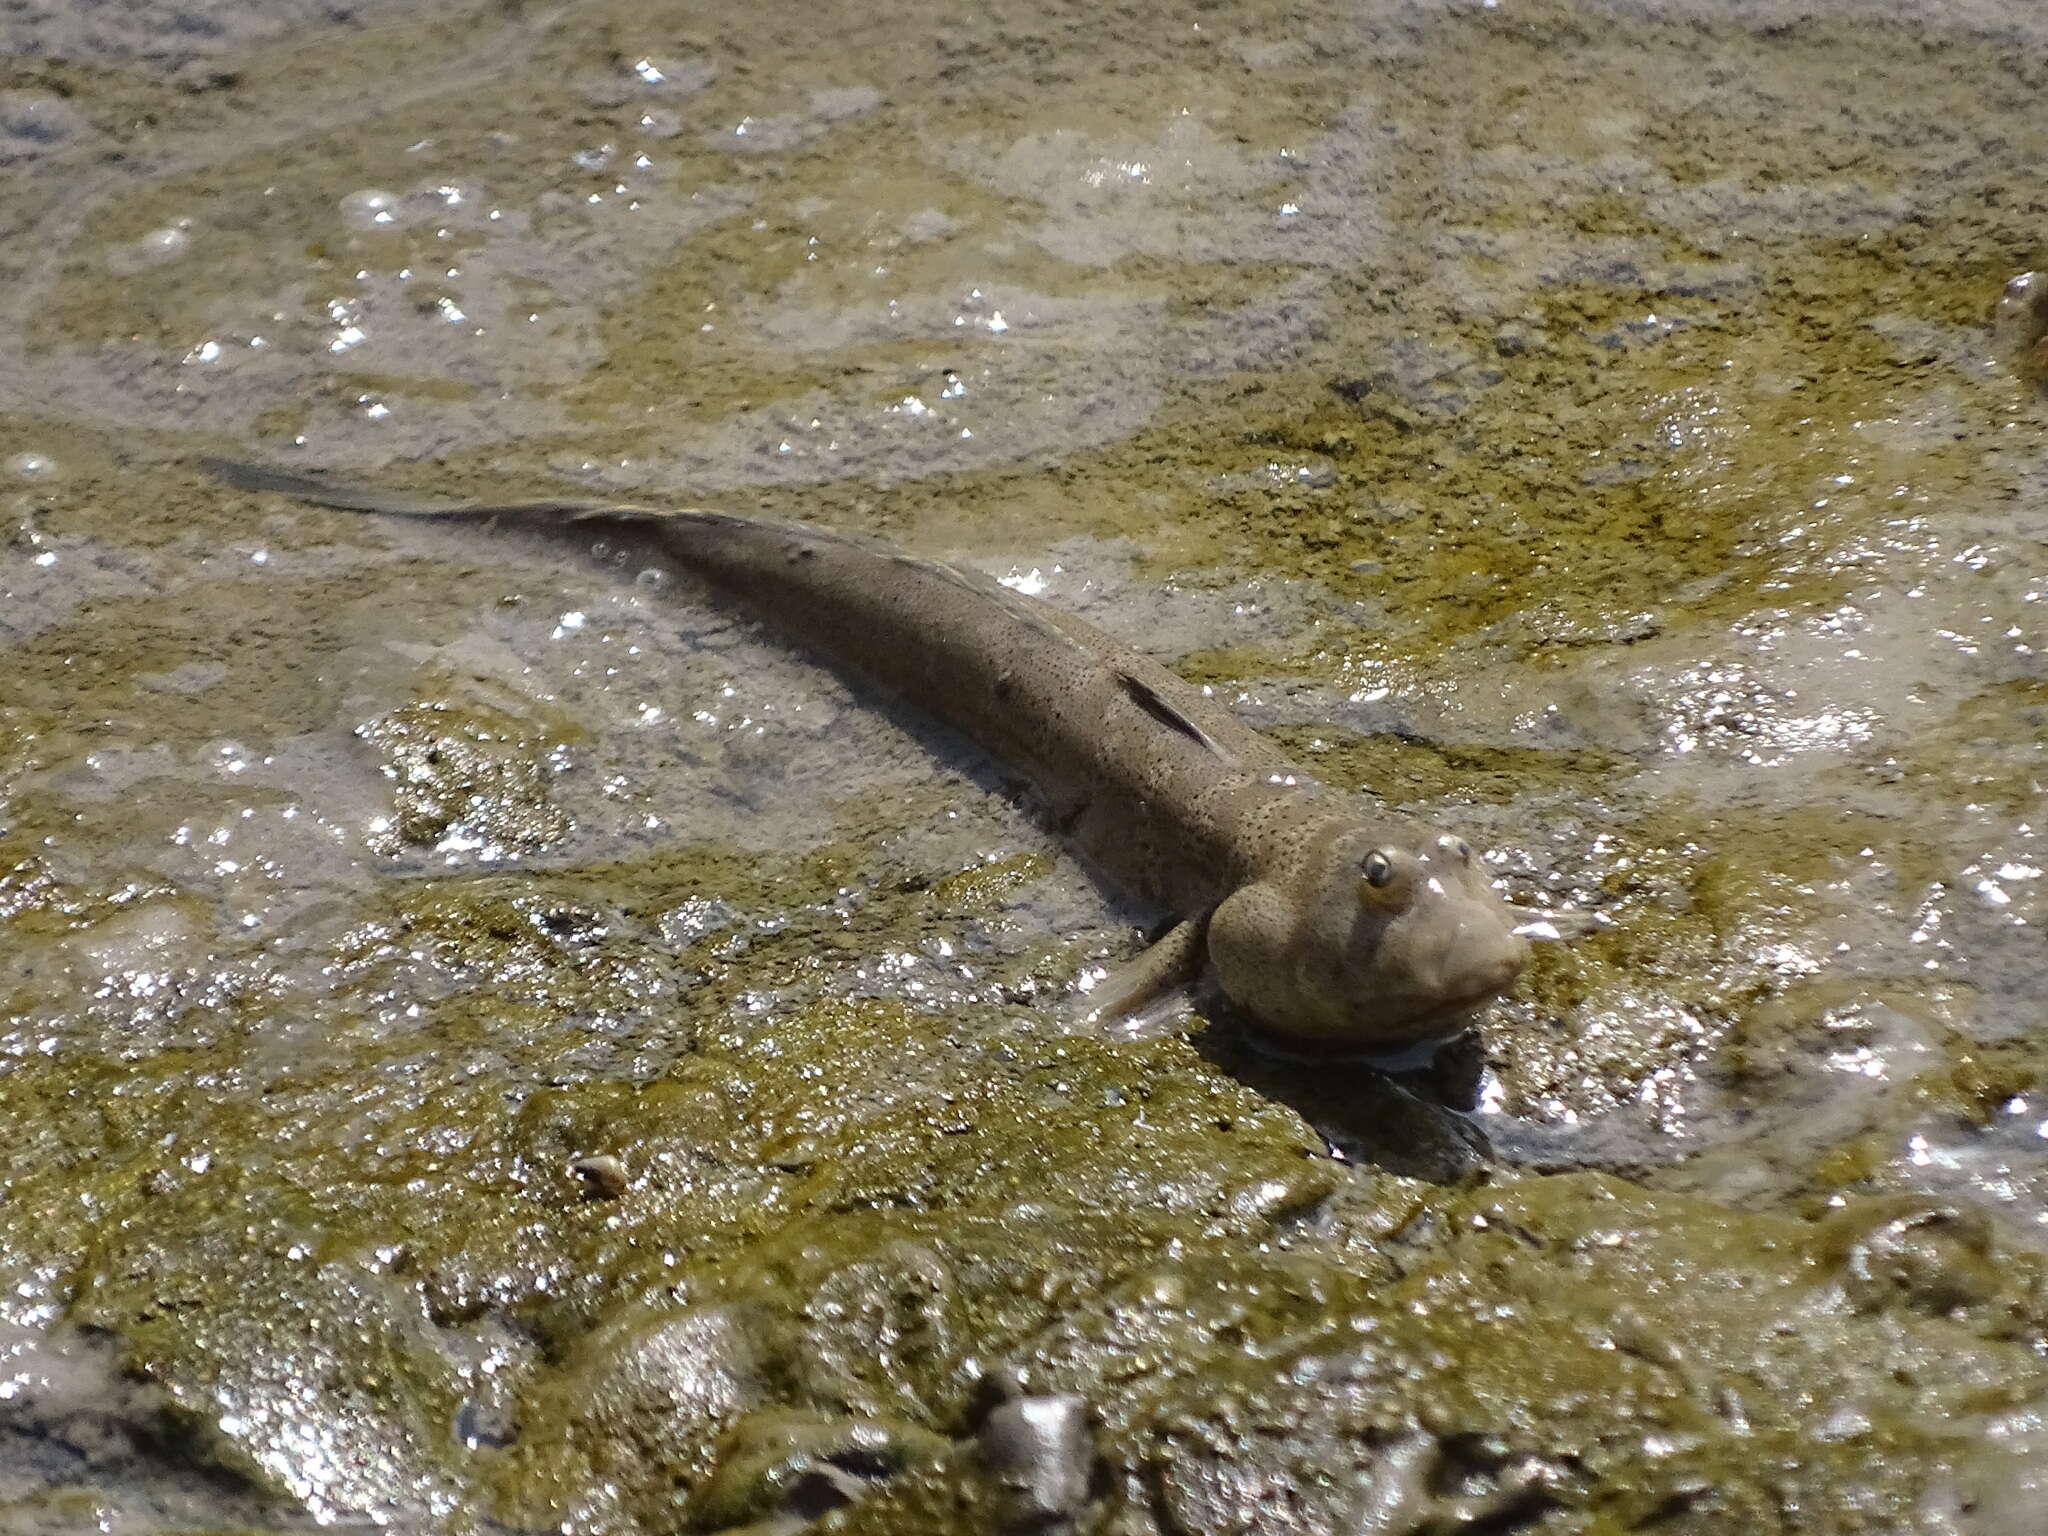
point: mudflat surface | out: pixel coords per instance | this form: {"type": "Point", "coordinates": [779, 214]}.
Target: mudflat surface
{"type": "Point", "coordinates": [1577, 422]}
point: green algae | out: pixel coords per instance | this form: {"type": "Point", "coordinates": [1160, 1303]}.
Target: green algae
{"type": "Point", "coordinates": [746, 1190]}
{"type": "Point", "coordinates": [1444, 772]}
{"type": "Point", "coordinates": [476, 772]}
{"type": "Point", "coordinates": [883, 1297]}
{"type": "Point", "coordinates": [1985, 750]}
{"type": "Point", "coordinates": [761, 1467]}
{"type": "Point", "coordinates": [1319, 1372]}
{"type": "Point", "coordinates": [1567, 523]}
{"type": "Point", "coordinates": [115, 650]}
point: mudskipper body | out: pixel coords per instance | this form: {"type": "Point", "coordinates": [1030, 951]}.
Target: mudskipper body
{"type": "Point", "coordinates": [1338, 929]}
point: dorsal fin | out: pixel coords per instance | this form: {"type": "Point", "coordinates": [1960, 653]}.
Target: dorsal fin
{"type": "Point", "coordinates": [346, 497]}
{"type": "Point", "coordinates": [1162, 709]}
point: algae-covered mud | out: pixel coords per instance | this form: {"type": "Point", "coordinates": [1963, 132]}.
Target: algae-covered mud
{"type": "Point", "coordinates": [491, 1041]}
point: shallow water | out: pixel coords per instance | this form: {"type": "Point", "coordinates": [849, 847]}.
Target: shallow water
{"type": "Point", "coordinates": [1577, 422]}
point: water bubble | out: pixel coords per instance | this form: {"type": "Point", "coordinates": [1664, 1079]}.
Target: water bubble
{"type": "Point", "coordinates": [34, 122]}
{"type": "Point", "coordinates": [31, 466]}
{"type": "Point", "coordinates": [161, 245]}
{"type": "Point", "coordinates": [674, 76]}
{"type": "Point", "coordinates": [370, 208]}
{"type": "Point", "coordinates": [929, 224]}
{"type": "Point", "coordinates": [154, 249]}
{"type": "Point", "coordinates": [653, 578]}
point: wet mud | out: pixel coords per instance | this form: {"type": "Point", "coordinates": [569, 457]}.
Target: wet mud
{"type": "Point", "coordinates": [493, 1041]}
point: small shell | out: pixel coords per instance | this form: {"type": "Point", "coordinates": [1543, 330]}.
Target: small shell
{"type": "Point", "coordinates": [604, 1176]}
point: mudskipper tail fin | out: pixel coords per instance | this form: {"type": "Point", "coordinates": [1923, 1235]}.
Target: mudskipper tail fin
{"type": "Point", "coordinates": [357, 498]}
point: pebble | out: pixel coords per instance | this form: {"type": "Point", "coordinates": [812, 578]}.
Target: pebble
{"type": "Point", "coordinates": [2019, 323]}
{"type": "Point", "coordinates": [1039, 1452]}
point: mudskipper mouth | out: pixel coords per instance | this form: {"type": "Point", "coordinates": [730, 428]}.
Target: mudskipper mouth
{"type": "Point", "coordinates": [1448, 1017]}
{"type": "Point", "coordinates": [1452, 1012]}
{"type": "Point", "coordinates": [1412, 1041]}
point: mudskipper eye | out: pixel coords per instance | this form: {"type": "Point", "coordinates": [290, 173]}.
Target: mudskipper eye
{"type": "Point", "coordinates": [1386, 879]}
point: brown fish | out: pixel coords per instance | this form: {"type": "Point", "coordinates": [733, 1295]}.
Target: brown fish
{"type": "Point", "coordinates": [1337, 928]}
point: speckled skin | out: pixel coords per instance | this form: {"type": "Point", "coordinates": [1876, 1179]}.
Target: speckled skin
{"type": "Point", "coordinates": [1174, 797]}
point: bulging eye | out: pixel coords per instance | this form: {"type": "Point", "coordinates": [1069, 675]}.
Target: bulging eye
{"type": "Point", "coordinates": [1386, 878]}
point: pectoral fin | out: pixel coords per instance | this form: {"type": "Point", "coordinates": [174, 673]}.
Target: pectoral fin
{"type": "Point", "coordinates": [1136, 1000]}
{"type": "Point", "coordinates": [1162, 709]}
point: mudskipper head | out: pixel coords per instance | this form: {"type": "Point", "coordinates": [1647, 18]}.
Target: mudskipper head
{"type": "Point", "coordinates": [1382, 942]}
